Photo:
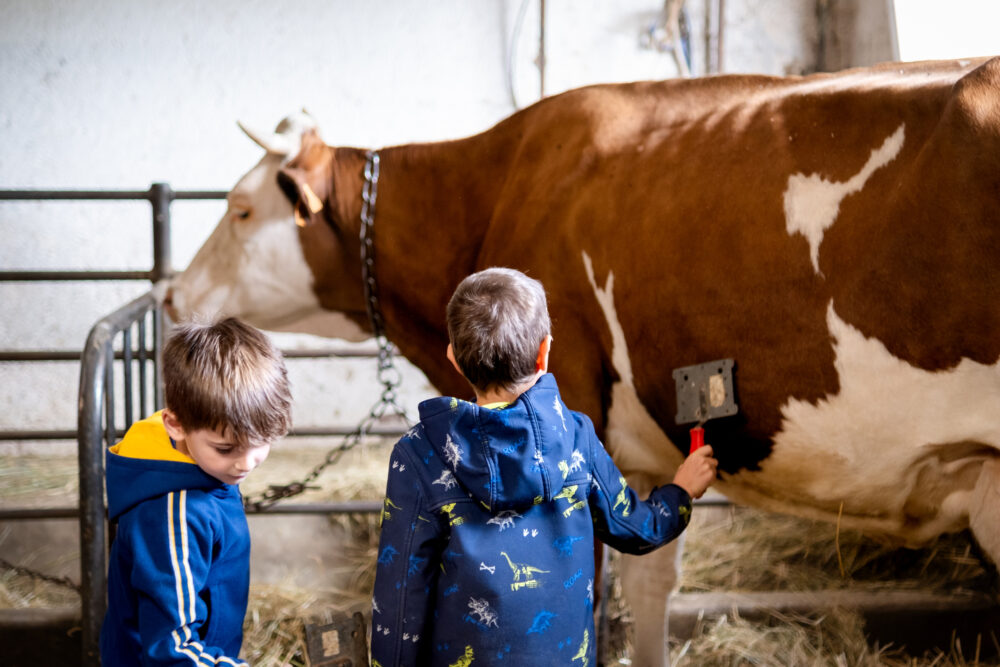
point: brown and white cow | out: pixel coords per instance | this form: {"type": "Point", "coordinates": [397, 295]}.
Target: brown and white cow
{"type": "Point", "coordinates": [837, 235]}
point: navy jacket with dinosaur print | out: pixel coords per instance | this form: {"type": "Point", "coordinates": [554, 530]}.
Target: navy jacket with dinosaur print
{"type": "Point", "coordinates": [486, 554]}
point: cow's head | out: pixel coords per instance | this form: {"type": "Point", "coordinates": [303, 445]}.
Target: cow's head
{"type": "Point", "coordinates": [253, 265]}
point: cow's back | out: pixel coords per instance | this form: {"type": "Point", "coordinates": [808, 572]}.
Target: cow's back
{"type": "Point", "coordinates": [759, 218]}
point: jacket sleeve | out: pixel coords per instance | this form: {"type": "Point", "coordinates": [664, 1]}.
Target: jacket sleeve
{"type": "Point", "coordinates": [172, 544]}
{"type": "Point", "coordinates": [625, 522]}
{"type": "Point", "coordinates": [408, 563]}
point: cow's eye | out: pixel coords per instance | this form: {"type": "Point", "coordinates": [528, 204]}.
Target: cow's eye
{"type": "Point", "coordinates": [242, 214]}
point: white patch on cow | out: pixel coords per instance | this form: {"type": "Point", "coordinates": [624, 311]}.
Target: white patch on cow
{"type": "Point", "coordinates": [640, 448]}
{"type": "Point", "coordinates": [812, 202]}
{"type": "Point", "coordinates": [252, 265]}
{"type": "Point", "coordinates": [865, 445]}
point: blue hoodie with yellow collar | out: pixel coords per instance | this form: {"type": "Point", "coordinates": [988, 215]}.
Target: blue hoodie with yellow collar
{"type": "Point", "coordinates": [179, 571]}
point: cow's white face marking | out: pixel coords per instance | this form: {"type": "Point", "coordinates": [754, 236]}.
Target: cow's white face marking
{"type": "Point", "coordinates": [252, 265]}
{"type": "Point", "coordinates": [864, 444]}
{"type": "Point", "coordinates": [641, 449]}
{"type": "Point", "coordinates": [812, 202]}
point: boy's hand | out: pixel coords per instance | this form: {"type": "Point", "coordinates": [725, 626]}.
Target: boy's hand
{"type": "Point", "coordinates": [697, 472]}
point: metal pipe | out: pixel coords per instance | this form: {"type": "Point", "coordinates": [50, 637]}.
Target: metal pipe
{"type": "Point", "coordinates": [93, 577]}
{"type": "Point", "coordinates": [66, 276]}
{"type": "Point", "coordinates": [343, 507]}
{"type": "Point", "coordinates": [127, 372]}
{"type": "Point", "coordinates": [118, 195]}
{"type": "Point", "coordinates": [140, 354]}
{"type": "Point", "coordinates": [305, 432]}
{"type": "Point", "coordinates": [160, 196]}
{"type": "Point", "coordinates": [541, 49]}
{"type": "Point", "coordinates": [720, 41]}
{"type": "Point", "coordinates": [143, 357]}
{"type": "Point", "coordinates": [96, 392]}
{"type": "Point", "coordinates": [33, 195]}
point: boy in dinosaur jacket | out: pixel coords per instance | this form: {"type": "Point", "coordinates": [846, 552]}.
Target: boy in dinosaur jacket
{"type": "Point", "coordinates": [486, 553]}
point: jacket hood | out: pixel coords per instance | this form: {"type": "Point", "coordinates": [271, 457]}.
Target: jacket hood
{"type": "Point", "coordinates": [509, 458]}
{"type": "Point", "coordinates": [145, 465]}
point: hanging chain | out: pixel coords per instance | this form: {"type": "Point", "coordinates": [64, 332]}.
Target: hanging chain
{"type": "Point", "coordinates": [388, 374]}
{"type": "Point", "coordinates": [65, 582]}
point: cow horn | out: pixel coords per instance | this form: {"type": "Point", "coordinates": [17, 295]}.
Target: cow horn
{"type": "Point", "coordinates": [278, 144]}
{"type": "Point", "coordinates": [286, 137]}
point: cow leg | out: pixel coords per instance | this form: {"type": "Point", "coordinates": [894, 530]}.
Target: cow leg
{"type": "Point", "coordinates": [984, 510]}
{"type": "Point", "coordinates": [646, 582]}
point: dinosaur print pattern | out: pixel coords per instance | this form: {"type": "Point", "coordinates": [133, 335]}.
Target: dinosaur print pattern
{"type": "Point", "coordinates": [386, 505]}
{"type": "Point", "coordinates": [481, 614]}
{"type": "Point", "coordinates": [524, 570]}
{"type": "Point", "coordinates": [447, 480]}
{"type": "Point", "coordinates": [541, 623]}
{"type": "Point", "coordinates": [504, 519]}
{"type": "Point", "coordinates": [582, 654]}
{"type": "Point", "coordinates": [622, 498]}
{"type": "Point", "coordinates": [564, 545]}
{"type": "Point", "coordinates": [489, 522]}
{"type": "Point", "coordinates": [569, 495]}
{"type": "Point", "coordinates": [557, 406]}
{"type": "Point", "coordinates": [467, 658]}
{"type": "Point", "coordinates": [452, 454]}
{"type": "Point", "coordinates": [453, 520]}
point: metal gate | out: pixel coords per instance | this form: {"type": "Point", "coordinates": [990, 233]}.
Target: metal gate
{"type": "Point", "coordinates": [120, 383]}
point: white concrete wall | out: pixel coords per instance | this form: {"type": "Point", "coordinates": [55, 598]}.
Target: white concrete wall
{"type": "Point", "coordinates": [117, 95]}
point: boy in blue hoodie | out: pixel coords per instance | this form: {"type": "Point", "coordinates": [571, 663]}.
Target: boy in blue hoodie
{"type": "Point", "coordinates": [486, 554]}
{"type": "Point", "coordinates": [179, 572]}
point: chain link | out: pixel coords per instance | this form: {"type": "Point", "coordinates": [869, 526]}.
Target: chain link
{"type": "Point", "coordinates": [388, 373]}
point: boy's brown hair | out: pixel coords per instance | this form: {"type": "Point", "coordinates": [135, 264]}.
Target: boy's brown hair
{"type": "Point", "coordinates": [497, 318]}
{"type": "Point", "coordinates": [229, 377]}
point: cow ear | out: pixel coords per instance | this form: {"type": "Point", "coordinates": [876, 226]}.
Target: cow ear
{"type": "Point", "coordinates": [305, 179]}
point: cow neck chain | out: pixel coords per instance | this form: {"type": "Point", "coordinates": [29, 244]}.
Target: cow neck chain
{"type": "Point", "coordinates": [369, 193]}
{"type": "Point", "coordinates": [389, 375]}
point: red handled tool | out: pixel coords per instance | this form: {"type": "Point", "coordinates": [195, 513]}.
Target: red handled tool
{"type": "Point", "coordinates": [697, 438]}
{"type": "Point", "coordinates": [704, 391]}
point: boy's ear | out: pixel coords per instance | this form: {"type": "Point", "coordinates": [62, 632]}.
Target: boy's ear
{"type": "Point", "coordinates": [174, 428]}
{"type": "Point", "coordinates": [542, 363]}
{"type": "Point", "coordinates": [451, 357]}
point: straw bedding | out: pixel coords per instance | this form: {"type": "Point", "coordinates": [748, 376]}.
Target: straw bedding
{"type": "Point", "coordinates": [729, 549]}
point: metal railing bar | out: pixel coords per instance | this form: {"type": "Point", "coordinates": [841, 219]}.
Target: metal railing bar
{"type": "Point", "coordinates": [109, 400]}
{"type": "Point", "coordinates": [40, 355]}
{"type": "Point", "coordinates": [342, 507]}
{"type": "Point", "coordinates": [200, 194]}
{"type": "Point", "coordinates": [158, 333]}
{"type": "Point", "coordinates": [70, 276]}
{"type": "Point", "coordinates": [314, 431]}
{"type": "Point", "coordinates": [331, 353]}
{"type": "Point", "coordinates": [142, 357]}
{"type": "Point", "coordinates": [25, 514]}
{"type": "Point", "coordinates": [57, 195]}
{"type": "Point", "coordinates": [38, 435]}
{"type": "Point", "coordinates": [97, 195]}
{"type": "Point", "coordinates": [305, 432]}
{"type": "Point", "coordinates": [96, 390]}
{"type": "Point", "coordinates": [139, 353]}
{"type": "Point", "coordinates": [127, 372]}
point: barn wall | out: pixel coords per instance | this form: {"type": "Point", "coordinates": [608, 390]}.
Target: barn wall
{"type": "Point", "coordinates": [109, 94]}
